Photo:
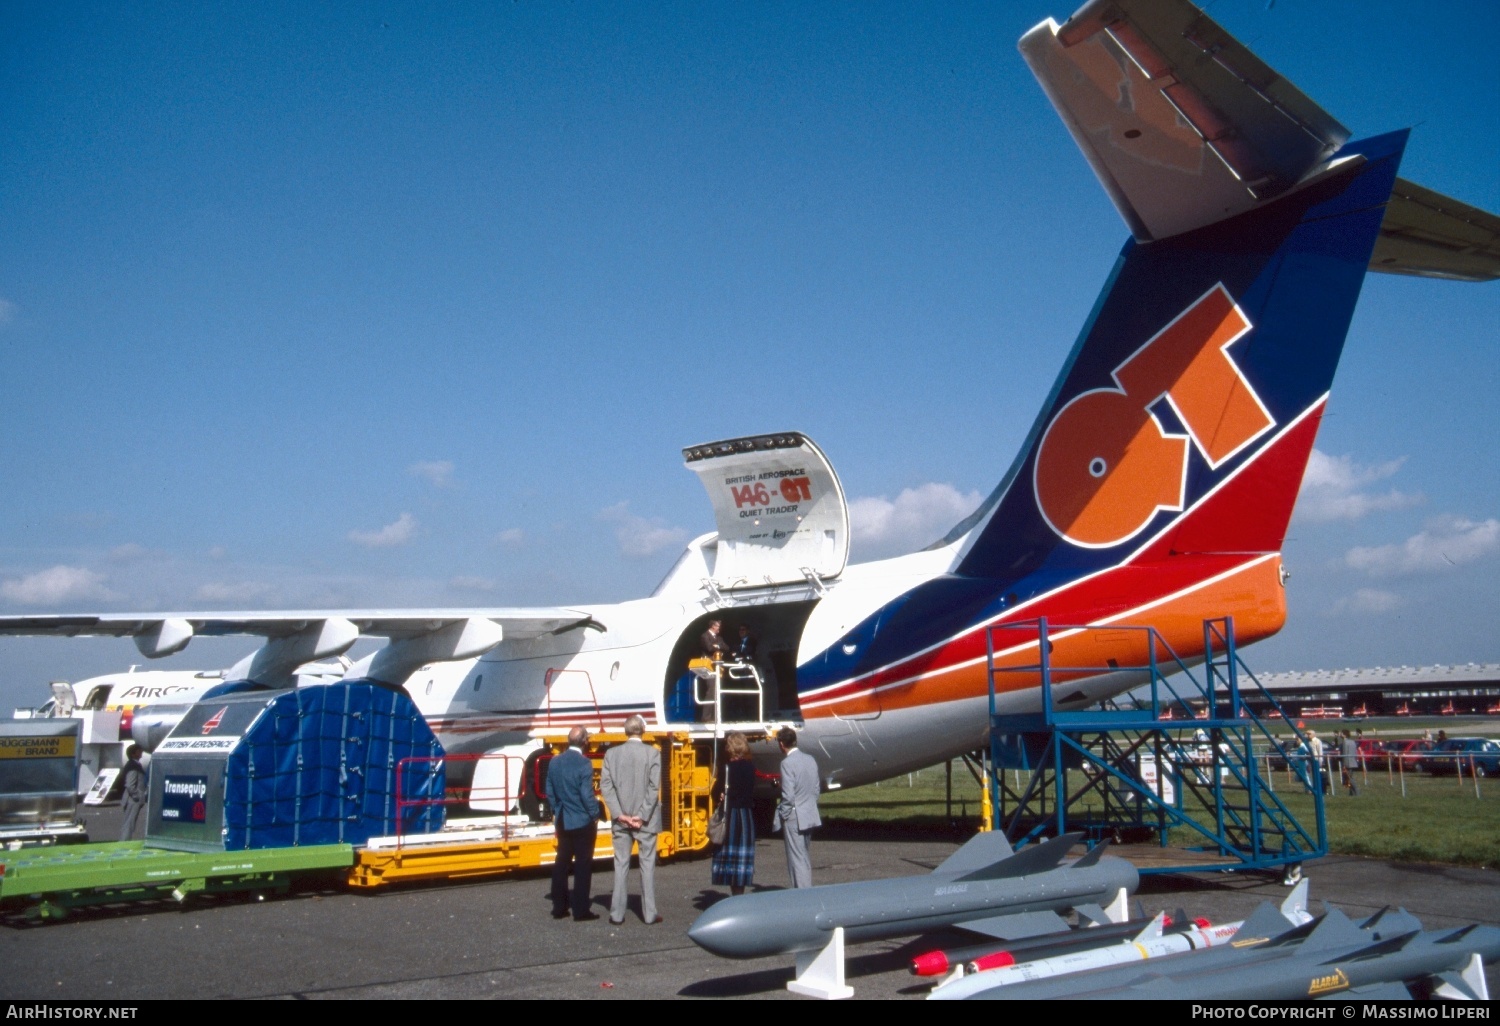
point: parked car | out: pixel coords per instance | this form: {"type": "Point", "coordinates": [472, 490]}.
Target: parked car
{"type": "Point", "coordinates": [1476, 754]}
{"type": "Point", "coordinates": [1406, 755]}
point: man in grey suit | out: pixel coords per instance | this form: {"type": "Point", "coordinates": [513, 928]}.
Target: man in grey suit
{"type": "Point", "coordinates": [630, 783]}
{"type": "Point", "coordinates": [797, 814]}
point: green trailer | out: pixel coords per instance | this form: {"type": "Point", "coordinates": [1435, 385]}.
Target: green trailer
{"type": "Point", "coordinates": [46, 882]}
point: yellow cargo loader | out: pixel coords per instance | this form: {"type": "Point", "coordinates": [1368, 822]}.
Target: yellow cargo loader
{"type": "Point", "coordinates": [523, 838]}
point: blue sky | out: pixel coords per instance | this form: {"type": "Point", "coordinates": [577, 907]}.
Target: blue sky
{"type": "Point", "coordinates": [408, 305]}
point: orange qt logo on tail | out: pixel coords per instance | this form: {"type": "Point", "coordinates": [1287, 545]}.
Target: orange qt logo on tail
{"type": "Point", "coordinates": [1105, 466]}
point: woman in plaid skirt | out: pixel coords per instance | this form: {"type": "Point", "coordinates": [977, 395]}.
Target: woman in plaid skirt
{"type": "Point", "coordinates": [734, 862]}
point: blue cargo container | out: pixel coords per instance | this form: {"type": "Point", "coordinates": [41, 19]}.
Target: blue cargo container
{"type": "Point", "coordinates": [318, 765]}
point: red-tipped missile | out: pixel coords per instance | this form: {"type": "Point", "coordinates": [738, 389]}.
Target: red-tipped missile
{"type": "Point", "coordinates": [992, 953]}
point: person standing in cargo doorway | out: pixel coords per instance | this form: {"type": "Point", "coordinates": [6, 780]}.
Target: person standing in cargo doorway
{"type": "Point", "coordinates": [631, 786]}
{"type": "Point", "coordinates": [133, 793]}
{"type": "Point", "coordinates": [715, 651]}
{"type": "Point", "coordinates": [712, 641]}
{"type": "Point", "coordinates": [575, 811]}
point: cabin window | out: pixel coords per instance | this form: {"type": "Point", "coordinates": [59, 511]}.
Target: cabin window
{"type": "Point", "coordinates": [614, 672]}
{"type": "Point", "coordinates": [478, 681]}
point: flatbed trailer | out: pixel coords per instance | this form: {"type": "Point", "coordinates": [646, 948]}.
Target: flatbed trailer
{"type": "Point", "coordinates": [47, 882]}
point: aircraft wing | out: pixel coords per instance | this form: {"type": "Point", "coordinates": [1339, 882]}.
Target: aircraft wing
{"type": "Point", "coordinates": [400, 624]}
{"type": "Point", "coordinates": [415, 636]}
{"type": "Point", "coordinates": [1434, 236]}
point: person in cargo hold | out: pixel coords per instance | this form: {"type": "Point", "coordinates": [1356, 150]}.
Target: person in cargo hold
{"type": "Point", "coordinates": [630, 783]}
{"type": "Point", "coordinates": [575, 810]}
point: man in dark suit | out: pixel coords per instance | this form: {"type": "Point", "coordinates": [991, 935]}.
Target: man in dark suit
{"type": "Point", "coordinates": [744, 646]}
{"type": "Point", "coordinates": [575, 812]}
{"type": "Point", "coordinates": [716, 650]}
{"type": "Point", "coordinates": [713, 642]}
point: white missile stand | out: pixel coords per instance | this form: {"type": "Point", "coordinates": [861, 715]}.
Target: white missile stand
{"type": "Point", "coordinates": [820, 973]}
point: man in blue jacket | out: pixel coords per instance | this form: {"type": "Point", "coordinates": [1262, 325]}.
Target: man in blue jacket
{"type": "Point", "coordinates": [575, 813]}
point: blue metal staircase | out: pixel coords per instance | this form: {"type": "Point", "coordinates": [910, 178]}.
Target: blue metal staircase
{"type": "Point", "coordinates": [1181, 768]}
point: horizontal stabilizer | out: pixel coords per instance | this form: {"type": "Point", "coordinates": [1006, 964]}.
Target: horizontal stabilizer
{"type": "Point", "coordinates": [1017, 926]}
{"type": "Point", "coordinates": [1430, 235]}
{"type": "Point", "coordinates": [1183, 125]}
{"type": "Point", "coordinates": [1036, 859]}
{"type": "Point", "coordinates": [977, 852]}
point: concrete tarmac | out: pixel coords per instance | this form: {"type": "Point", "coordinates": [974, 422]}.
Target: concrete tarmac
{"type": "Point", "coordinates": [496, 939]}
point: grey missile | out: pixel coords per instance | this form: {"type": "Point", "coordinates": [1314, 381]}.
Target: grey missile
{"type": "Point", "coordinates": [985, 886]}
{"type": "Point", "coordinates": [1389, 957]}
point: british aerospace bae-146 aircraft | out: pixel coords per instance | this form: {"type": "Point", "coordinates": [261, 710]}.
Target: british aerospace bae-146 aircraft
{"type": "Point", "coordinates": [1154, 488]}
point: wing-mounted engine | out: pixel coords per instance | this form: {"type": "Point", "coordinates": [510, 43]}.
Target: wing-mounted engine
{"type": "Point", "coordinates": [780, 510]}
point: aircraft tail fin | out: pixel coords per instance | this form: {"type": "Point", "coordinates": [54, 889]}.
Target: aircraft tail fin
{"type": "Point", "coordinates": [1037, 858]}
{"type": "Point", "coordinates": [1458, 935]}
{"type": "Point", "coordinates": [1152, 930]}
{"type": "Point", "coordinates": [977, 852]}
{"type": "Point", "coordinates": [1294, 908]}
{"type": "Point", "coordinates": [1467, 984]}
{"type": "Point", "coordinates": [1092, 856]}
{"type": "Point", "coordinates": [1183, 420]}
{"type": "Point", "coordinates": [1267, 923]}
{"type": "Point", "coordinates": [1333, 929]}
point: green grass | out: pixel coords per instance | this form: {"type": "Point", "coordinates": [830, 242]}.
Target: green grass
{"type": "Point", "coordinates": [1436, 821]}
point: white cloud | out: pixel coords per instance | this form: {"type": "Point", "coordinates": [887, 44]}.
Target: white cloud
{"type": "Point", "coordinates": [241, 592]}
{"type": "Point", "coordinates": [638, 536]}
{"type": "Point", "coordinates": [917, 517]}
{"type": "Point", "coordinates": [398, 533]}
{"type": "Point", "coordinates": [472, 584]}
{"type": "Point", "coordinates": [1365, 601]}
{"type": "Point", "coordinates": [1447, 542]}
{"type": "Point", "coordinates": [1332, 489]}
{"type": "Point", "coordinates": [438, 473]}
{"type": "Point", "coordinates": [130, 552]}
{"type": "Point", "coordinates": [56, 586]}
{"type": "Point", "coordinates": [511, 536]}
